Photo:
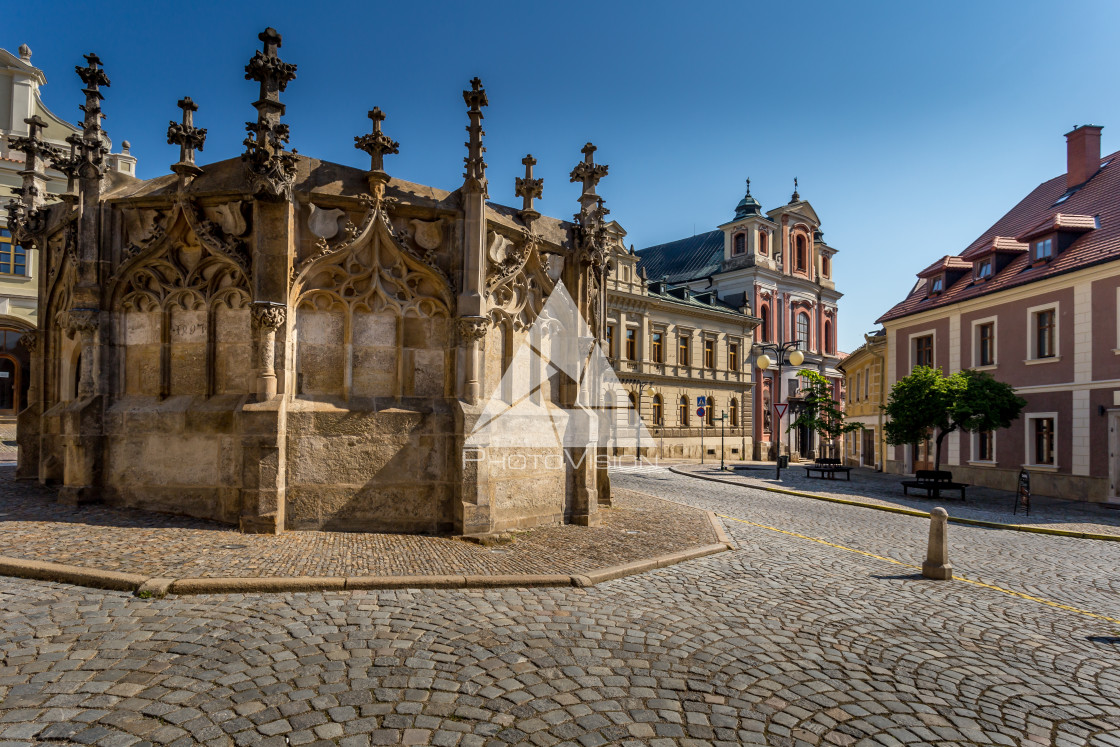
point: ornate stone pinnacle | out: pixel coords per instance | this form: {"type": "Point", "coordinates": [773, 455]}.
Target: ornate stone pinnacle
{"type": "Point", "coordinates": [475, 175]}
{"type": "Point", "coordinates": [37, 153]}
{"type": "Point", "coordinates": [528, 189]}
{"type": "Point", "coordinates": [187, 137]}
{"type": "Point", "coordinates": [271, 169]}
{"type": "Point", "coordinates": [589, 172]}
{"type": "Point", "coordinates": [91, 151]}
{"type": "Point", "coordinates": [377, 144]}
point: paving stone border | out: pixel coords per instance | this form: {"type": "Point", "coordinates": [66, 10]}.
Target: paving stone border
{"type": "Point", "coordinates": [158, 587]}
{"type": "Point", "coordinates": [904, 511]}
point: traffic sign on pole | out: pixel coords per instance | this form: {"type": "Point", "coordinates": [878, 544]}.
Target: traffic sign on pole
{"type": "Point", "coordinates": [701, 400]}
{"type": "Point", "coordinates": [700, 411]}
{"type": "Point", "coordinates": [781, 410]}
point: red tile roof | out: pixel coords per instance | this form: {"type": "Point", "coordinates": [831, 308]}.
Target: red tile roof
{"type": "Point", "coordinates": [1097, 201]}
{"type": "Point", "coordinates": [997, 244]}
{"type": "Point", "coordinates": [948, 262]}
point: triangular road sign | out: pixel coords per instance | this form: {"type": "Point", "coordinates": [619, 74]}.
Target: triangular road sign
{"type": "Point", "coordinates": [781, 410]}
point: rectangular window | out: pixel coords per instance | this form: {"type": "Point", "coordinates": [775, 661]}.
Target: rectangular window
{"type": "Point", "coordinates": [987, 344]}
{"type": "Point", "coordinates": [13, 258]}
{"type": "Point", "coordinates": [984, 269]}
{"type": "Point", "coordinates": [733, 356]}
{"type": "Point", "coordinates": [657, 348]}
{"type": "Point", "coordinates": [1044, 329]}
{"type": "Point", "coordinates": [935, 286]}
{"type": "Point", "coordinates": [923, 351]}
{"type": "Point", "coordinates": [683, 356]}
{"type": "Point", "coordinates": [631, 345]}
{"type": "Point", "coordinates": [709, 353]}
{"type": "Point", "coordinates": [866, 383]}
{"type": "Point", "coordinates": [1043, 250]}
{"type": "Point", "coordinates": [610, 341]}
{"type": "Point", "coordinates": [1043, 432]}
{"type": "Point", "coordinates": [985, 446]}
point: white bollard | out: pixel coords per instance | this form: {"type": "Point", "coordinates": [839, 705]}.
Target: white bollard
{"type": "Point", "coordinates": [937, 565]}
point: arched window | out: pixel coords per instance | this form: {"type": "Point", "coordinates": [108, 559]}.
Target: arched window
{"type": "Point", "coordinates": [710, 411]}
{"type": "Point", "coordinates": [828, 337]}
{"type": "Point", "coordinates": [826, 265]}
{"type": "Point", "coordinates": [684, 412]}
{"type": "Point", "coordinates": [766, 407]}
{"type": "Point", "coordinates": [733, 414]}
{"type": "Point", "coordinates": [803, 330]}
{"type": "Point", "coordinates": [764, 327]}
{"type": "Point", "coordinates": [632, 413]}
{"type": "Point", "coordinates": [657, 411]}
{"type": "Point", "coordinates": [801, 258]}
{"type": "Point", "coordinates": [740, 245]}
{"type": "Point", "coordinates": [763, 249]}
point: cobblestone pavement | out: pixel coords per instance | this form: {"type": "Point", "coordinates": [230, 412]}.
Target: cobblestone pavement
{"type": "Point", "coordinates": [985, 504]}
{"type": "Point", "coordinates": [785, 641]}
{"type": "Point", "coordinates": [34, 527]}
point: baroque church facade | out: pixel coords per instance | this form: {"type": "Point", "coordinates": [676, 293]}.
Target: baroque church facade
{"type": "Point", "coordinates": [279, 342]}
{"type": "Point", "coordinates": [775, 271]}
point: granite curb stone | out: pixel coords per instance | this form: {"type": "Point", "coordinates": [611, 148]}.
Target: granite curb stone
{"type": "Point", "coordinates": [907, 511]}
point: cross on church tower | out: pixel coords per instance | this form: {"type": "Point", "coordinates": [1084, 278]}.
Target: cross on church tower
{"type": "Point", "coordinates": [377, 144]}
{"type": "Point", "coordinates": [188, 138]}
{"type": "Point", "coordinates": [475, 99]}
{"type": "Point", "coordinates": [527, 189]}
{"type": "Point", "coordinates": [271, 168]}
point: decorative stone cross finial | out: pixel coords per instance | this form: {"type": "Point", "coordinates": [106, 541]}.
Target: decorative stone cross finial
{"type": "Point", "coordinates": [528, 189]}
{"type": "Point", "coordinates": [587, 171]}
{"type": "Point", "coordinates": [377, 144]}
{"type": "Point", "coordinates": [187, 137]}
{"type": "Point", "coordinates": [475, 175]}
{"type": "Point", "coordinates": [37, 152]}
{"type": "Point", "coordinates": [271, 169]}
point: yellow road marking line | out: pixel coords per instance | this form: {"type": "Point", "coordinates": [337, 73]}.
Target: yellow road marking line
{"type": "Point", "coordinates": [956, 577]}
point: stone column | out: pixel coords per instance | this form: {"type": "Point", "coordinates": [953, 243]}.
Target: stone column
{"type": "Point", "coordinates": [29, 420]}
{"type": "Point", "coordinates": [267, 318]}
{"type": "Point", "coordinates": [472, 329]}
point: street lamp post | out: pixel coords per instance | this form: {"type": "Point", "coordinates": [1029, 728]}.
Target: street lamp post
{"type": "Point", "coordinates": [783, 352]}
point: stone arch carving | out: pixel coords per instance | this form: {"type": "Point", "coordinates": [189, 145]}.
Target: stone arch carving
{"type": "Point", "coordinates": [182, 307]}
{"type": "Point", "coordinates": [371, 318]}
{"type": "Point", "coordinates": [519, 279]}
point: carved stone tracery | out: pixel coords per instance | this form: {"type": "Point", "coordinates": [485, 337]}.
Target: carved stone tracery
{"type": "Point", "coordinates": [518, 280]}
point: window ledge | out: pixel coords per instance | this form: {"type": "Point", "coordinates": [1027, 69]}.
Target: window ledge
{"type": "Point", "coordinates": [1116, 351]}
{"type": "Point", "coordinates": [991, 367]}
{"type": "Point", "coordinates": [1041, 467]}
{"type": "Point", "coordinates": [1038, 361]}
{"type": "Point", "coordinates": [986, 464]}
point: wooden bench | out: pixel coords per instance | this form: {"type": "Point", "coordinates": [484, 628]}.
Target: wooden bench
{"type": "Point", "coordinates": [828, 468]}
{"type": "Point", "coordinates": [933, 482]}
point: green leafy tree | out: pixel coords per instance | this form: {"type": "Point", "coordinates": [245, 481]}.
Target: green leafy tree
{"type": "Point", "coordinates": [927, 404]}
{"type": "Point", "coordinates": [821, 412]}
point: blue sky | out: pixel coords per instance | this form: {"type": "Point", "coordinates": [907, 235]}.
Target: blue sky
{"type": "Point", "coordinates": [911, 126]}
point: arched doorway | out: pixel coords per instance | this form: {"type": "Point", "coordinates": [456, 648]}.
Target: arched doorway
{"type": "Point", "coordinates": [15, 372]}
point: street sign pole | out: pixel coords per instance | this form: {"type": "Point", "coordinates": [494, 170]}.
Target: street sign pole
{"type": "Point", "coordinates": [780, 411]}
{"type": "Point", "coordinates": [722, 420]}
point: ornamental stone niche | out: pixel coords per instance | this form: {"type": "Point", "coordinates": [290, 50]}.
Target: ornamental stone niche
{"type": "Point", "coordinates": [279, 342]}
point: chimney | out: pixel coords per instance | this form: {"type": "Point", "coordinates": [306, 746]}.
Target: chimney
{"type": "Point", "coordinates": [1083, 154]}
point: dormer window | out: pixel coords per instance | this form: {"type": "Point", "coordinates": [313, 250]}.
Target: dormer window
{"type": "Point", "coordinates": [935, 285]}
{"type": "Point", "coordinates": [762, 243]}
{"type": "Point", "coordinates": [1042, 251]}
{"type": "Point", "coordinates": [739, 245]}
{"type": "Point", "coordinates": [984, 269]}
